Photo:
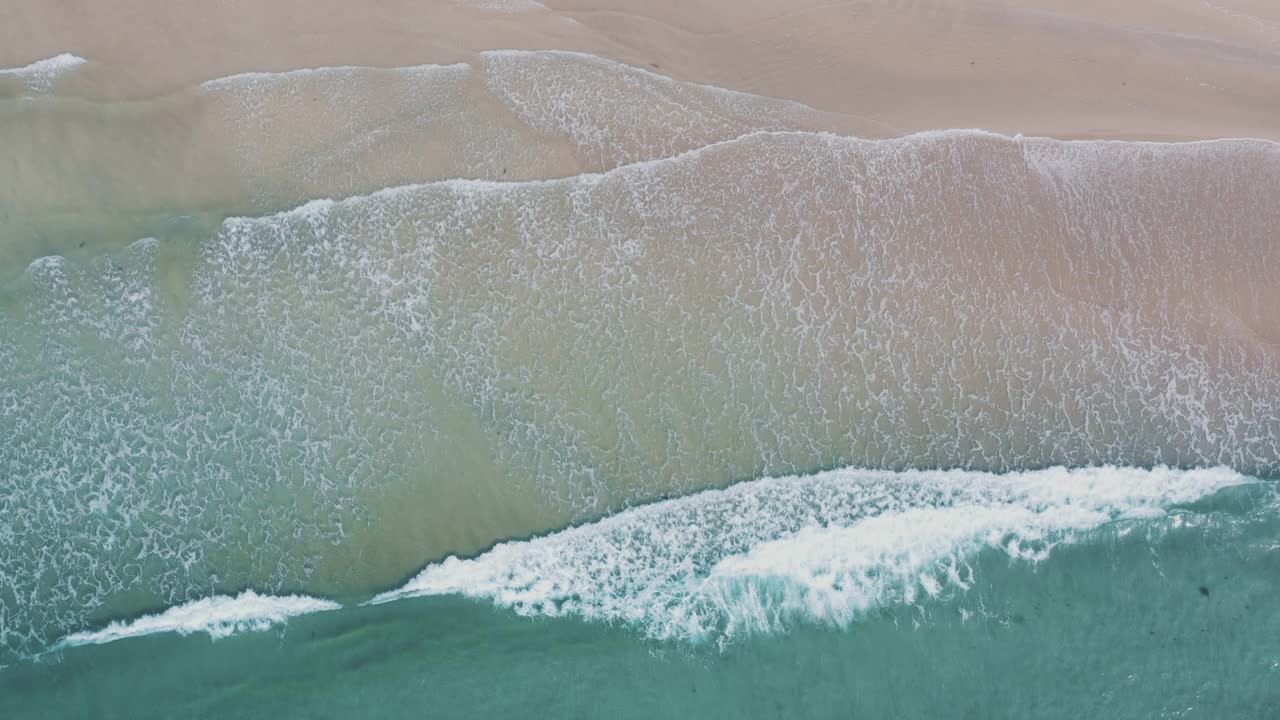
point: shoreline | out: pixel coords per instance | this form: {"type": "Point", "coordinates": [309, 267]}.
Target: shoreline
{"type": "Point", "coordinates": [1161, 71]}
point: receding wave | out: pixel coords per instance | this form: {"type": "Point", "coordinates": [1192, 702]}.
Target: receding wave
{"type": "Point", "coordinates": [218, 616]}
{"type": "Point", "coordinates": [503, 5]}
{"type": "Point", "coordinates": [514, 115]}
{"type": "Point", "coordinates": [823, 549]}
{"type": "Point", "coordinates": [270, 141]}
{"type": "Point", "coordinates": [40, 76]}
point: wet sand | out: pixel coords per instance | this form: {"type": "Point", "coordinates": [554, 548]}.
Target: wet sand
{"type": "Point", "coordinates": [1177, 69]}
{"type": "Point", "coordinates": [147, 126]}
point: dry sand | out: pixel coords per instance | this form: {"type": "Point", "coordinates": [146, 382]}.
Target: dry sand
{"type": "Point", "coordinates": [1159, 69]}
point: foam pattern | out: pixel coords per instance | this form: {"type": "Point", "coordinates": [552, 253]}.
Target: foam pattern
{"type": "Point", "coordinates": [219, 616]}
{"type": "Point", "coordinates": [39, 77]}
{"type": "Point", "coordinates": [824, 549]}
{"type": "Point", "coordinates": [304, 393]}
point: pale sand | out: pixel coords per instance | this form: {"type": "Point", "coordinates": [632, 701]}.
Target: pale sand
{"type": "Point", "coordinates": [1159, 69]}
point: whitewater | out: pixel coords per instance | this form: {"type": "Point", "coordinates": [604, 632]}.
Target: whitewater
{"type": "Point", "coordinates": [820, 549]}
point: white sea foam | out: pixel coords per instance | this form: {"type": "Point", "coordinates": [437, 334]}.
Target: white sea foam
{"type": "Point", "coordinates": [504, 6]}
{"type": "Point", "coordinates": [219, 616]}
{"type": "Point", "coordinates": [1047, 155]}
{"type": "Point", "coordinates": [340, 130]}
{"type": "Point", "coordinates": [249, 82]}
{"type": "Point", "coordinates": [40, 75]}
{"type": "Point", "coordinates": [651, 116]}
{"type": "Point", "coordinates": [823, 548]}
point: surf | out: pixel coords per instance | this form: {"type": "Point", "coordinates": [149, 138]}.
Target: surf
{"type": "Point", "coordinates": [763, 556]}
{"type": "Point", "coordinates": [39, 77]}
{"type": "Point", "coordinates": [219, 616]}
{"type": "Point", "coordinates": [824, 549]}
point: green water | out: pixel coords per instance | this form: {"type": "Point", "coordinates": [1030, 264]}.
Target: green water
{"type": "Point", "coordinates": [1137, 622]}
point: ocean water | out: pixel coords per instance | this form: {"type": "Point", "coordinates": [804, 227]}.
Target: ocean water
{"type": "Point", "coordinates": [1157, 615]}
{"type": "Point", "coordinates": [453, 390]}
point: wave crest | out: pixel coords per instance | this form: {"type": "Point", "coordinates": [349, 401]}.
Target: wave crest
{"type": "Point", "coordinates": [40, 76]}
{"type": "Point", "coordinates": [220, 616]}
{"type": "Point", "coordinates": [823, 548]}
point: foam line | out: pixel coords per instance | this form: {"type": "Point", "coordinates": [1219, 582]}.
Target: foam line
{"type": "Point", "coordinates": [220, 616]}
{"type": "Point", "coordinates": [824, 548]}
{"type": "Point", "coordinates": [40, 75]}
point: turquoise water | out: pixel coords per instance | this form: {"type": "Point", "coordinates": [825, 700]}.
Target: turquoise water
{"type": "Point", "coordinates": [673, 408]}
{"type": "Point", "coordinates": [1174, 619]}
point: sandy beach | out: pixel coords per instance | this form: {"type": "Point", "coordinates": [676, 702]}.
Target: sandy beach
{"type": "Point", "coordinates": [155, 126]}
{"type": "Point", "coordinates": [1154, 69]}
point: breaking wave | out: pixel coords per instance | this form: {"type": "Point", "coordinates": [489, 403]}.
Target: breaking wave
{"type": "Point", "coordinates": [821, 549]}
{"type": "Point", "coordinates": [219, 616]}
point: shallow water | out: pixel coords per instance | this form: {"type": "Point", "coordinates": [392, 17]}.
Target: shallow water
{"type": "Point", "coordinates": [972, 396]}
{"type": "Point", "coordinates": [1167, 619]}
